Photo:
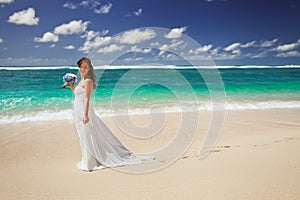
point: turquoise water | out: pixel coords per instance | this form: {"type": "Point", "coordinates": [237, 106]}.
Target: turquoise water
{"type": "Point", "coordinates": [35, 93]}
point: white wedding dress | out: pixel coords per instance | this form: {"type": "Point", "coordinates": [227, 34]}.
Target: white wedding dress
{"type": "Point", "coordinates": [99, 146]}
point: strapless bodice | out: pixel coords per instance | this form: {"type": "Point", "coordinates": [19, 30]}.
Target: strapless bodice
{"type": "Point", "coordinates": [79, 92]}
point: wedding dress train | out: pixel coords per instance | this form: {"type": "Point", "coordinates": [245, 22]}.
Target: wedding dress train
{"type": "Point", "coordinates": [100, 148]}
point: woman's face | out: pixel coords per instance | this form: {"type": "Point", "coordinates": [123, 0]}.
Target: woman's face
{"type": "Point", "coordinates": [84, 69]}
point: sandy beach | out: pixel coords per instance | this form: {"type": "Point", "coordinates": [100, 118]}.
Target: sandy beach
{"type": "Point", "coordinates": [256, 157]}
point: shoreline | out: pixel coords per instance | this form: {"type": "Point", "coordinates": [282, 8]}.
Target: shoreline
{"type": "Point", "coordinates": [66, 114]}
{"type": "Point", "coordinates": [256, 157]}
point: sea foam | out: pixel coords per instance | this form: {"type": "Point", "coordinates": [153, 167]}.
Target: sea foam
{"type": "Point", "coordinates": [67, 114]}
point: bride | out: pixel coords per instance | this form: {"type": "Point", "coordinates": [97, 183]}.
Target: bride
{"type": "Point", "coordinates": [99, 146]}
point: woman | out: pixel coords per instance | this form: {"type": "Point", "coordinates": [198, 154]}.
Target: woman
{"type": "Point", "coordinates": [99, 146]}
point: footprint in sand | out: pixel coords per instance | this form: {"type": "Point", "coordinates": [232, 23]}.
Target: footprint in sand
{"type": "Point", "coordinates": [277, 141]}
{"type": "Point", "coordinates": [215, 151]}
{"type": "Point", "coordinates": [218, 149]}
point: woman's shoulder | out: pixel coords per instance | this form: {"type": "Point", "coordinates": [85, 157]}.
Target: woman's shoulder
{"type": "Point", "coordinates": [88, 81]}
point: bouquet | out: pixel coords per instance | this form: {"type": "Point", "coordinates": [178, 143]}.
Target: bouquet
{"type": "Point", "coordinates": [69, 78]}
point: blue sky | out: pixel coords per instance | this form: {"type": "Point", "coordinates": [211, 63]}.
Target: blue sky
{"type": "Point", "coordinates": [231, 32]}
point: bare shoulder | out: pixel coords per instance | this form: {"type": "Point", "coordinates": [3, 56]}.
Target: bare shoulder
{"type": "Point", "coordinates": [88, 82]}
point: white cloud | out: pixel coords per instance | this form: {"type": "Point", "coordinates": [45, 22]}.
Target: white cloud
{"type": "Point", "coordinates": [232, 46]}
{"type": "Point", "coordinates": [235, 46]}
{"type": "Point", "coordinates": [69, 47]}
{"type": "Point", "coordinates": [202, 49]}
{"type": "Point", "coordinates": [85, 3]}
{"type": "Point", "coordinates": [259, 55]}
{"type": "Point", "coordinates": [110, 49]}
{"type": "Point", "coordinates": [268, 43]}
{"type": "Point", "coordinates": [136, 36]}
{"type": "Point", "coordinates": [36, 46]}
{"type": "Point", "coordinates": [169, 56]}
{"type": "Point", "coordinates": [289, 54]}
{"type": "Point", "coordinates": [104, 32]}
{"type": "Point", "coordinates": [89, 3]}
{"type": "Point", "coordinates": [225, 56]}
{"type": "Point", "coordinates": [131, 59]}
{"type": "Point", "coordinates": [94, 3]}
{"type": "Point", "coordinates": [135, 13]}
{"type": "Point", "coordinates": [89, 35]}
{"type": "Point", "coordinates": [164, 47]}
{"type": "Point", "coordinates": [288, 47]}
{"type": "Point", "coordinates": [136, 49]}
{"type": "Point", "coordinates": [215, 51]}
{"type": "Point", "coordinates": [47, 37]}
{"type": "Point", "coordinates": [161, 53]}
{"type": "Point", "coordinates": [69, 5]}
{"type": "Point", "coordinates": [175, 44]}
{"type": "Point", "coordinates": [232, 52]}
{"type": "Point", "coordinates": [102, 40]}
{"type": "Point", "coordinates": [175, 33]}
{"type": "Point", "coordinates": [103, 9]}
{"type": "Point", "coordinates": [96, 42]}
{"type": "Point", "coordinates": [248, 44]}
{"type": "Point", "coordinates": [205, 48]}
{"type": "Point", "coordinates": [73, 27]}
{"type": "Point", "coordinates": [6, 1]}
{"type": "Point", "coordinates": [237, 52]}
{"type": "Point", "coordinates": [26, 17]}
{"type": "Point", "coordinates": [1, 40]}
{"type": "Point", "coordinates": [138, 12]}
{"type": "Point", "coordinates": [93, 40]}
{"type": "Point", "coordinates": [154, 44]}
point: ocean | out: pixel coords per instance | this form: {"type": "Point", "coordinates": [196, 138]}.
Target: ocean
{"type": "Point", "coordinates": [34, 93]}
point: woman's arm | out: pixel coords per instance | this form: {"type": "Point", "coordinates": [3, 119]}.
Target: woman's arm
{"type": "Point", "coordinates": [87, 94]}
{"type": "Point", "coordinates": [71, 86]}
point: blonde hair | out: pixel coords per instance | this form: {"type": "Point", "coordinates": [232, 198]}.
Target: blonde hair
{"type": "Point", "coordinates": [91, 73]}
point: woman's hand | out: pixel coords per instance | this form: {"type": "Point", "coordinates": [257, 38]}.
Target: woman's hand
{"type": "Point", "coordinates": [85, 119]}
{"type": "Point", "coordinates": [71, 86]}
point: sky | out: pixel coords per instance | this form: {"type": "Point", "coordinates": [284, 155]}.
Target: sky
{"type": "Point", "coordinates": [229, 32]}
